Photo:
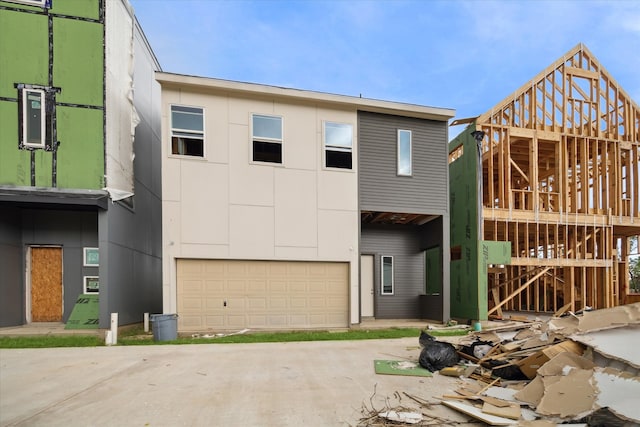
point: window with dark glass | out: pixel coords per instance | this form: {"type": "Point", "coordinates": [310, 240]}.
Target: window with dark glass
{"type": "Point", "coordinates": [266, 138]}
{"type": "Point", "coordinates": [338, 145]}
{"type": "Point", "coordinates": [187, 131]}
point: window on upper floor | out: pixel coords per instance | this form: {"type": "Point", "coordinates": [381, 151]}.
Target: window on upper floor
{"type": "Point", "coordinates": [266, 138]}
{"type": "Point", "coordinates": [41, 3]}
{"type": "Point", "coordinates": [404, 153]}
{"type": "Point", "coordinates": [338, 145]}
{"type": "Point", "coordinates": [187, 131]}
{"type": "Point", "coordinates": [386, 287]}
{"type": "Point", "coordinates": [33, 118]}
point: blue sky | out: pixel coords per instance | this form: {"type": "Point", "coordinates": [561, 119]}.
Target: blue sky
{"type": "Point", "coordinates": [465, 55]}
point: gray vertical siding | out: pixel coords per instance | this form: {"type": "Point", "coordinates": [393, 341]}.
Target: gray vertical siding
{"type": "Point", "coordinates": [131, 239]}
{"type": "Point", "coordinates": [406, 245]}
{"type": "Point", "coordinates": [72, 230]}
{"type": "Point", "coordinates": [11, 268]}
{"type": "Point", "coordinates": [381, 189]}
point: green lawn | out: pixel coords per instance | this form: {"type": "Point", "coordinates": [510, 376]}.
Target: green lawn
{"type": "Point", "coordinates": [136, 336]}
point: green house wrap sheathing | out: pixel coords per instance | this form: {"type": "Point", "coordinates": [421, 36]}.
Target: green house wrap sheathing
{"type": "Point", "coordinates": [63, 48]}
{"type": "Point", "coordinates": [470, 254]}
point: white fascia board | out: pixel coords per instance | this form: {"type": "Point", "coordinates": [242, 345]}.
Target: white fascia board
{"type": "Point", "coordinates": [364, 104]}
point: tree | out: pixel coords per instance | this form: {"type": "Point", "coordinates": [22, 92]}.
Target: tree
{"type": "Point", "coordinates": [634, 273]}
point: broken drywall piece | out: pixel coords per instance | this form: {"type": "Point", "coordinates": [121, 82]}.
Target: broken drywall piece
{"type": "Point", "coordinates": [557, 364]}
{"type": "Point", "coordinates": [619, 392]}
{"type": "Point", "coordinates": [570, 396]}
{"type": "Point", "coordinates": [511, 411]}
{"type": "Point", "coordinates": [402, 417]}
{"type": "Point", "coordinates": [530, 365]}
{"type": "Point", "coordinates": [609, 318]}
{"type": "Point", "coordinates": [532, 392]}
{"type": "Point", "coordinates": [614, 343]}
{"type": "Point", "coordinates": [476, 413]}
{"type": "Point", "coordinates": [501, 393]}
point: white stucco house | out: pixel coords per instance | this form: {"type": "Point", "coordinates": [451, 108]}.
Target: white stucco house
{"type": "Point", "coordinates": [260, 202]}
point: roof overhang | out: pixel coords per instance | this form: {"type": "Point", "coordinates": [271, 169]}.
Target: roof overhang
{"type": "Point", "coordinates": [395, 218]}
{"type": "Point", "coordinates": [54, 197]}
{"type": "Point", "coordinates": [206, 84]}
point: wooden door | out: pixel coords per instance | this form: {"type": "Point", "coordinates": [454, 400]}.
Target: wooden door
{"type": "Point", "coordinates": [46, 284]}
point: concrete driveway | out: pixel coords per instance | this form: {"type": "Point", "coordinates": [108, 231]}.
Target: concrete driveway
{"type": "Point", "coordinates": [271, 384]}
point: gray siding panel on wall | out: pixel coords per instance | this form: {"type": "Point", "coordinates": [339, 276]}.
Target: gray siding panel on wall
{"type": "Point", "coordinates": [403, 243]}
{"type": "Point", "coordinates": [11, 268]}
{"type": "Point", "coordinates": [72, 230]}
{"type": "Point", "coordinates": [381, 189]}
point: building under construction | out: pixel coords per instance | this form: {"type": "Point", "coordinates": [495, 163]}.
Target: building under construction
{"type": "Point", "coordinates": [557, 167]}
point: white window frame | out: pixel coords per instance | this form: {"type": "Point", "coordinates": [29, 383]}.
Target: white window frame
{"type": "Point", "coordinates": [399, 152]}
{"type": "Point", "coordinates": [328, 147]}
{"type": "Point", "coordinates": [43, 118]}
{"type": "Point", "coordinates": [382, 284]}
{"type": "Point", "coordinates": [40, 3]}
{"type": "Point", "coordinates": [85, 252]}
{"type": "Point", "coordinates": [85, 280]}
{"type": "Point", "coordinates": [270, 140]}
{"type": "Point", "coordinates": [193, 134]}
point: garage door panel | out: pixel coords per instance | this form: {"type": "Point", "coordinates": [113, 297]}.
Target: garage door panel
{"type": "Point", "coordinates": [261, 294]}
{"type": "Point", "coordinates": [256, 286]}
{"type": "Point", "coordinates": [214, 322]}
{"type": "Point", "coordinates": [278, 303]}
{"type": "Point", "coordinates": [213, 286]}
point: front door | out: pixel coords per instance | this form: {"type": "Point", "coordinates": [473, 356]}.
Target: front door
{"type": "Point", "coordinates": [45, 274]}
{"type": "Point", "coordinates": [366, 285]}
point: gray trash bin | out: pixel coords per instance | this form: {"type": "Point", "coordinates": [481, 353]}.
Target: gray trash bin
{"type": "Point", "coordinates": [165, 327]}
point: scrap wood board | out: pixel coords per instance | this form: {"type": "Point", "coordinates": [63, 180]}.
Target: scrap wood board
{"type": "Point", "coordinates": [400, 367]}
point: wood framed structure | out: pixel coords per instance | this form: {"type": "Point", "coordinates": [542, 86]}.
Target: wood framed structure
{"type": "Point", "coordinates": [560, 181]}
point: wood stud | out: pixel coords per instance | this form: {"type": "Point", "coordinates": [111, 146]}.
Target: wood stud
{"type": "Point", "coordinates": [561, 171]}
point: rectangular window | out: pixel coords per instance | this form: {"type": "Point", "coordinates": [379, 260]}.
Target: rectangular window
{"type": "Point", "coordinates": [33, 118]}
{"type": "Point", "coordinates": [404, 152]}
{"type": "Point", "coordinates": [267, 138]}
{"type": "Point", "coordinates": [41, 3]}
{"type": "Point", "coordinates": [338, 145]}
{"type": "Point", "coordinates": [91, 285]}
{"type": "Point", "coordinates": [187, 131]}
{"type": "Point", "coordinates": [387, 275]}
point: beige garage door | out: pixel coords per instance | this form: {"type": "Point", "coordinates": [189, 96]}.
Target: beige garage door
{"type": "Point", "coordinates": [231, 295]}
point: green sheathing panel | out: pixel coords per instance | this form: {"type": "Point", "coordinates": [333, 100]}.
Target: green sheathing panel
{"type": "Point", "coordinates": [492, 253]}
{"type": "Point", "coordinates": [14, 163]}
{"type": "Point", "coordinates": [78, 48]}
{"type": "Point", "coordinates": [81, 8]}
{"type": "Point", "coordinates": [466, 295]}
{"type": "Point", "coordinates": [80, 154]}
{"type": "Point", "coordinates": [24, 53]}
{"type": "Point", "coordinates": [433, 269]}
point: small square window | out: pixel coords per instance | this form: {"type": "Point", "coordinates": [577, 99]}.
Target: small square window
{"type": "Point", "coordinates": [187, 131]}
{"type": "Point", "coordinates": [387, 275]}
{"type": "Point", "coordinates": [404, 153]}
{"type": "Point", "coordinates": [91, 285]}
{"type": "Point", "coordinates": [338, 145]}
{"type": "Point", "coordinates": [266, 138]}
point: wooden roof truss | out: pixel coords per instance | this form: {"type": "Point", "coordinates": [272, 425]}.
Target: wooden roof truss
{"type": "Point", "coordinates": [561, 181]}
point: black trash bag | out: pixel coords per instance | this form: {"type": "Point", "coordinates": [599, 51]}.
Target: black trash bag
{"type": "Point", "coordinates": [436, 355]}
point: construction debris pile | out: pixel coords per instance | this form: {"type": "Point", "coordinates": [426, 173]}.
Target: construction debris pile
{"type": "Point", "coordinates": [575, 368]}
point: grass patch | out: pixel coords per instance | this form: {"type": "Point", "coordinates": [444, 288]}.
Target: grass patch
{"type": "Point", "coordinates": [137, 336]}
{"type": "Point", "coordinates": [50, 341]}
{"type": "Point", "coordinates": [258, 337]}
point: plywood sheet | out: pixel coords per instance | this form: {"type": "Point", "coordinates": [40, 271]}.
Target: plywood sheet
{"type": "Point", "coordinates": [46, 284]}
